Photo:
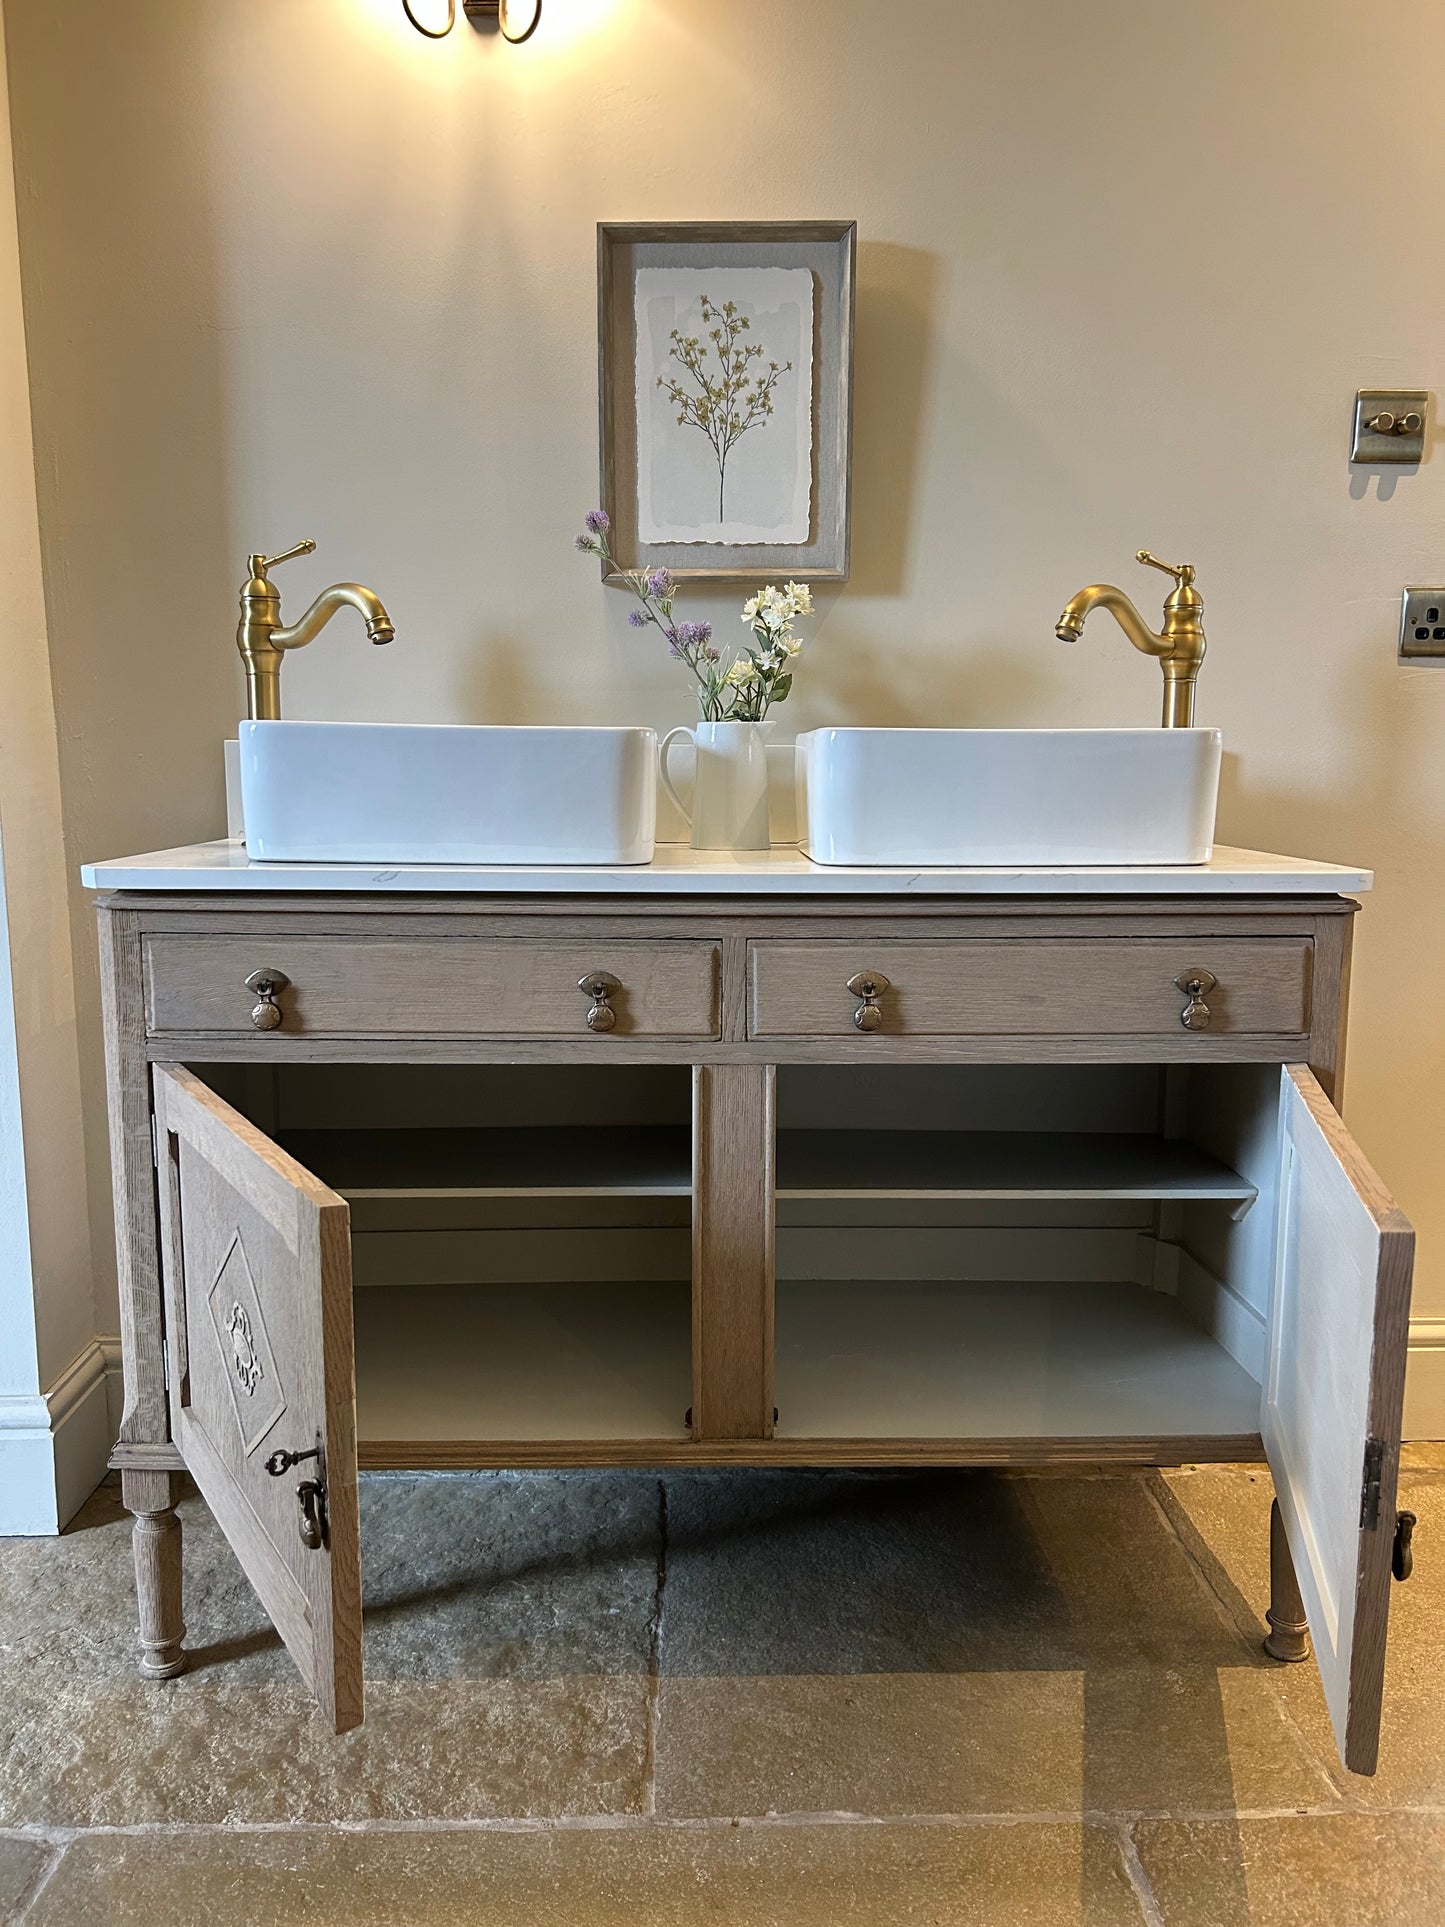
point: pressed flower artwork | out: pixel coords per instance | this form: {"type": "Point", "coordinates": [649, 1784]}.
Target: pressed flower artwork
{"type": "Point", "coordinates": [725, 372]}
{"type": "Point", "coordinates": [723, 387]}
{"type": "Point", "coordinates": [724, 404]}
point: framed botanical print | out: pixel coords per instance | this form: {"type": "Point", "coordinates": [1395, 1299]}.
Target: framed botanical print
{"type": "Point", "coordinates": [725, 367]}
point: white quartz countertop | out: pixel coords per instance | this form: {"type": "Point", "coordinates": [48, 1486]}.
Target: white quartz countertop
{"type": "Point", "coordinates": [677, 870]}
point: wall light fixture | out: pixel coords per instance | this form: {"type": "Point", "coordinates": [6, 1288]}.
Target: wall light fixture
{"type": "Point", "coordinates": [516, 19]}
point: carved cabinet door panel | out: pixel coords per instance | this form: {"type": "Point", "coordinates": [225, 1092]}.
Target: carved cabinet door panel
{"type": "Point", "coordinates": [1333, 1394]}
{"type": "Point", "coordinates": [256, 1256]}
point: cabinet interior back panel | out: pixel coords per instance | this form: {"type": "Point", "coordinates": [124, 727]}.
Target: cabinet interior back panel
{"type": "Point", "coordinates": [968, 1097]}
{"type": "Point", "coordinates": [947, 1360]}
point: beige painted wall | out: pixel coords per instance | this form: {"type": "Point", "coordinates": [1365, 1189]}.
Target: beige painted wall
{"type": "Point", "coordinates": [47, 1317]}
{"type": "Point", "coordinates": [291, 269]}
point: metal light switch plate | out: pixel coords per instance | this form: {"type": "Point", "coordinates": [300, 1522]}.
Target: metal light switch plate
{"type": "Point", "coordinates": [1422, 625]}
{"type": "Point", "coordinates": [1389, 425]}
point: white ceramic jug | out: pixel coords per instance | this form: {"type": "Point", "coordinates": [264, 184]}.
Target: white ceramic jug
{"type": "Point", "coordinates": [730, 784]}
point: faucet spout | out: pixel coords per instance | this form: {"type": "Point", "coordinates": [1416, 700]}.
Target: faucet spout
{"type": "Point", "coordinates": [1103, 595]}
{"type": "Point", "coordinates": [341, 595]}
{"type": "Point", "coordinates": [1178, 646]}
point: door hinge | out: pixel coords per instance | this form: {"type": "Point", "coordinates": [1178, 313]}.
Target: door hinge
{"type": "Point", "coordinates": [166, 1364]}
{"type": "Point", "coordinates": [1370, 1486]}
{"type": "Point", "coordinates": [155, 1145]}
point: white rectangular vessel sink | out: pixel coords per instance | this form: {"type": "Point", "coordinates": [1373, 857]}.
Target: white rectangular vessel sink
{"type": "Point", "coordinates": [447, 793]}
{"type": "Point", "coordinates": [1011, 798]}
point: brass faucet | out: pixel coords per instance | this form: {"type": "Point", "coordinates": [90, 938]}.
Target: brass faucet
{"type": "Point", "coordinates": [1179, 644]}
{"type": "Point", "coordinates": [262, 640]}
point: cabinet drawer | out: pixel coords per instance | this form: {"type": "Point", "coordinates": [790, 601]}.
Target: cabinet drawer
{"type": "Point", "coordinates": [430, 987]}
{"type": "Point", "coordinates": [1024, 987]}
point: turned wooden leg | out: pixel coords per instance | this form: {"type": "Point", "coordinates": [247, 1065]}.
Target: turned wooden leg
{"type": "Point", "coordinates": [1289, 1633]}
{"type": "Point", "coordinates": [156, 1539]}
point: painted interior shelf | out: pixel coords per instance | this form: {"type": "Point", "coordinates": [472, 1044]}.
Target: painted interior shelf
{"type": "Point", "coordinates": [855, 1360]}
{"type": "Point", "coordinates": [520, 1360]}
{"type": "Point", "coordinates": [655, 1161]}
{"type": "Point", "coordinates": [1021, 1360]}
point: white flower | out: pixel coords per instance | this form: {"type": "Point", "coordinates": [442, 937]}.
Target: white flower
{"type": "Point", "coordinates": [773, 608]}
{"type": "Point", "coordinates": [743, 671]}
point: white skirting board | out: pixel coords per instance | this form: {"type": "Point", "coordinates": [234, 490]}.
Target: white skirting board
{"type": "Point", "coordinates": [54, 1445]}
{"type": "Point", "coordinates": [1425, 1380]}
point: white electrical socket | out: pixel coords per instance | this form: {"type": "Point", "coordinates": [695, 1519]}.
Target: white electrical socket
{"type": "Point", "coordinates": [1422, 625]}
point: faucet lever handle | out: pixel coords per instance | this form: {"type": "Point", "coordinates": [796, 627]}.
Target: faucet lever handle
{"type": "Point", "coordinates": [260, 564]}
{"type": "Point", "coordinates": [1182, 572]}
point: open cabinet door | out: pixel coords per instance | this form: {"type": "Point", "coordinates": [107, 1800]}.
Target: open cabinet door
{"type": "Point", "coordinates": [1333, 1392]}
{"type": "Point", "coordinates": [257, 1261]}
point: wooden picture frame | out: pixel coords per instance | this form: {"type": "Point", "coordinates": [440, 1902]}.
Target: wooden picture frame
{"type": "Point", "coordinates": [821, 499]}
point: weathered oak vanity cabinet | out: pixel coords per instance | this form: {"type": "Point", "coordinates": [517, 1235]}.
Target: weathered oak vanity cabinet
{"type": "Point", "coordinates": [841, 1168]}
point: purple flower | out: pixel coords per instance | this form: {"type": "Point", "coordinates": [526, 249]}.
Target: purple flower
{"type": "Point", "coordinates": [586, 545]}
{"type": "Point", "coordinates": [674, 640]}
{"type": "Point", "coordinates": [694, 634]}
{"type": "Point", "coordinates": [659, 582]}
{"type": "Point", "coordinates": [598, 521]}
{"type": "Point", "coordinates": [637, 619]}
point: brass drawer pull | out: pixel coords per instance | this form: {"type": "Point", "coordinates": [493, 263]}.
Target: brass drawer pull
{"type": "Point", "coordinates": [267, 984]}
{"type": "Point", "coordinates": [1196, 985]}
{"type": "Point", "coordinates": [870, 986]}
{"type": "Point", "coordinates": [599, 986]}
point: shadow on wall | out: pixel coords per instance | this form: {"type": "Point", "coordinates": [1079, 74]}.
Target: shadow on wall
{"type": "Point", "coordinates": [1365, 711]}
{"type": "Point", "coordinates": [126, 347]}
{"type": "Point", "coordinates": [1364, 807]}
{"type": "Point", "coordinates": [895, 327]}
{"type": "Point", "coordinates": [1000, 689]}
{"type": "Point", "coordinates": [499, 684]}
{"type": "Point", "coordinates": [895, 350]}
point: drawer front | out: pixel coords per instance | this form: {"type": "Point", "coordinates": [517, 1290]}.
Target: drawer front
{"type": "Point", "coordinates": [430, 987]}
{"type": "Point", "coordinates": [1030, 987]}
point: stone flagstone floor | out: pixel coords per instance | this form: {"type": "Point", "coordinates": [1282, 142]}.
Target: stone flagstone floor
{"type": "Point", "coordinates": [792, 1699]}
